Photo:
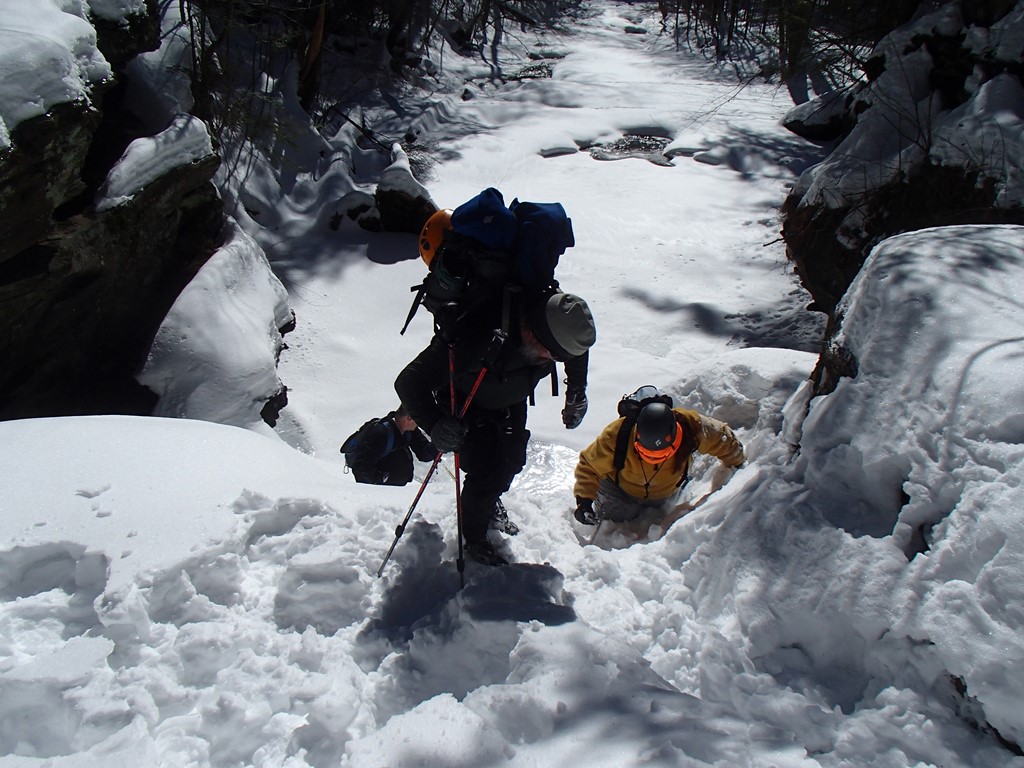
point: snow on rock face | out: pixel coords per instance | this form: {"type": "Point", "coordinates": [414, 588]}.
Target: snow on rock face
{"type": "Point", "coordinates": [946, 493]}
{"type": "Point", "coordinates": [403, 203]}
{"type": "Point", "coordinates": [893, 111]}
{"type": "Point", "coordinates": [117, 10]}
{"type": "Point", "coordinates": [936, 139]}
{"type": "Point", "coordinates": [185, 140]}
{"type": "Point", "coordinates": [158, 85]}
{"type": "Point", "coordinates": [987, 132]}
{"type": "Point", "coordinates": [101, 288]}
{"type": "Point", "coordinates": [48, 56]}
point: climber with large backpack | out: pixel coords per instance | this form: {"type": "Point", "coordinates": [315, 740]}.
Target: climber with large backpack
{"type": "Point", "coordinates": [640, 462]}
{"type": "Point", "coordinates": [500, 324]}
{"type": "Point", "coordinates": [483, 257]}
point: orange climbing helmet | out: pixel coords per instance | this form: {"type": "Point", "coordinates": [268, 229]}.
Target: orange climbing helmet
{"type": "Point", "coordinates": [432, 234]}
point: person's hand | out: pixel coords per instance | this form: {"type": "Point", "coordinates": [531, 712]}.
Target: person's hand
{"type": "Point", "coordinates": [575, 407]}
{"type": "Point", "coordinates": [585, 512]}
{"type": "Point", "coordinates": [448, 434]}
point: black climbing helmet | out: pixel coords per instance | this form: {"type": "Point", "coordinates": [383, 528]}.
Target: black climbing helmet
{"type": "Point", "coordinates": [656, 427]}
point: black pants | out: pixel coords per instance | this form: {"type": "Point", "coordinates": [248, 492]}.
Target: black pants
{"type": "Point", "coordinates": [493, 454]}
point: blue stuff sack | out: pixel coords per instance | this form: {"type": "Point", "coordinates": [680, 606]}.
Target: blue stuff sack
{"type": "Point", "coordinates": [486, 220]}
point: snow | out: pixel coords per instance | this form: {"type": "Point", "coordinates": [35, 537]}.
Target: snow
{"type": "Point", "coordinates": [158, 83]}
{"type": "Point", "coordinates": [234, 296]}
{"type": "Point", "coordinates": [203, 590]}
{"type": "Point", "coordinates": [184, 141]}
{"type": "Point", "coordinates": [117, 10]}
{"type": "Point", "coordinates": [986, 132]}
{"type": "Point", "coordinates": [949, 436]}
{"type": "Point", "coordinates": [398, 176]}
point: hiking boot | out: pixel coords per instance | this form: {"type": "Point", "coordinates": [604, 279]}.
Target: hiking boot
{"type": "Point", "coordinates": [500, 521]}
{"type": "Point", "coordinates": [485, 553]}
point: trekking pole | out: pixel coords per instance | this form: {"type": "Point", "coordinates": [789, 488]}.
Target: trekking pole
{"type": "Point", "coordinates": [400, 529]}
{"type": "Point", "coordinates": [460, 562]}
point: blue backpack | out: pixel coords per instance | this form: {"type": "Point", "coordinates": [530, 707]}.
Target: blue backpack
{"type": "Point", "coordinates": [492, 251]}
{"type": "Point", "coordinates": [353, 447]}
{"type": "Point", "coordinates": [543, 233]}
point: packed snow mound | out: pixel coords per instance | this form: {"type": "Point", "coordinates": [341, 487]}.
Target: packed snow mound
{"type": "Point", "coordinates": [99, 490]}
{"type": "Point", "coordinates": [745, 388]}
{"type": "Point", "coordinates": [48, 56]}
{"type": "Point", "coordinates": [215, 355]}
{"type": "Point", "coordinates": [922, 449]}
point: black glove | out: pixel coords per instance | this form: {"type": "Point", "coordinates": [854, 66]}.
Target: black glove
{"type": "Point", "coordinates": [448, 434]}
{"type": "Point", "coordinates": [575, 407]}
{"type": "Point", "coordinates": [585, 512]}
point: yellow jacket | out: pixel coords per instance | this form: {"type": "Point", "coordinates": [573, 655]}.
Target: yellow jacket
{"type": "Point", "coordinates": [655, 481]}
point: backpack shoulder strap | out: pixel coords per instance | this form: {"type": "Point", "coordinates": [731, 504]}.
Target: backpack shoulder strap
{"type": "Point", "coordinates": [686, 448]}
{"type": "Point", "coordinates": [689, 444]}
{"type": "Point", "coordinates": [622, 443]}
{"type": "Point", "coordinates": [392, 429]}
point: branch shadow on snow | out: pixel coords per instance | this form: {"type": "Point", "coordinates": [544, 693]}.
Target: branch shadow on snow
{"type": "Point", "coordinates": [778, 327]}
{"type": "Point", "coordinates": [756, 155]}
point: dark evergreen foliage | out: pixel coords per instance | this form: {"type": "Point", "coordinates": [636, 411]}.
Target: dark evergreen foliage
{"type": "Point", "coordinates": [823, 41]}
{"type": "Point", "coordinates": [240, 46]}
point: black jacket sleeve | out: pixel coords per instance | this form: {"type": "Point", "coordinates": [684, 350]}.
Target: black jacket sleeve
{"type": "Point", "coordinates": [419, 380]}
{"type": "Point", "coordinates": [421, 446]}
{"type": "Point", "coordinates": [576, 371]}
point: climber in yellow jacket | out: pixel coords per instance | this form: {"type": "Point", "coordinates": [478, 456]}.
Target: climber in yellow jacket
{"type": "Point", "coordinates": [655, 464]}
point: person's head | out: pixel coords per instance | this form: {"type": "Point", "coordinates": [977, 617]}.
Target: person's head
{"type": "Point", "coordinates": [658, 435]}
{"type": "Point", "coordinates": [405, 422]}
{"type": "Point", "coordinates": [562, 324]}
